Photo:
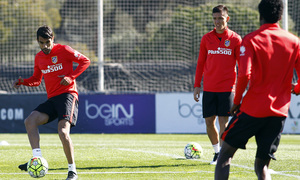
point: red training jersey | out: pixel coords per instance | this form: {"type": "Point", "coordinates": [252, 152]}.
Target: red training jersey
{"type": "Point", "coordinates": [267, 59]}
{"type": "Point", "coordinates": [57, 63]}
{"type": "Point", "coordinates": [217, 61]}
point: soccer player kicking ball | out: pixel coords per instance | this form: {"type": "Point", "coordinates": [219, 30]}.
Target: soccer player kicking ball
{"type": "Point", "coordinates": [268, 57]}
{"type": "Point", "coordinates": [218, 55]}
{"type": "Point", "coordinates": [55, 63]}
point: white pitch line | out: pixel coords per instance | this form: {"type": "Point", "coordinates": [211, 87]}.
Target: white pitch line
{"type": "Point", "coordinates": [283, 174]}
{"type": "Point", "coordinates": [169, 172]}
{"type": "Point", "coordinates": [120, 172]}
{"type": "Point", "coordinates": [236, 165]}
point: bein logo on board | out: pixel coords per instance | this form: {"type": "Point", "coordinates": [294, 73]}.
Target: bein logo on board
{"type": "Point", "coordinates": [186, 110]}
{"type": "Point", "coordinates": [113, 114]}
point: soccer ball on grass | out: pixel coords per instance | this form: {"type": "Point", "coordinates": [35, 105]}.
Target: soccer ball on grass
{"type": "Point", "coordinates": [193, 151]}
{"type": "Point", "coordinates": [37, 167]}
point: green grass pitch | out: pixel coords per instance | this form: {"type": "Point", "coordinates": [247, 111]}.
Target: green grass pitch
{"type": "Point", "coordinates": [141, 156]}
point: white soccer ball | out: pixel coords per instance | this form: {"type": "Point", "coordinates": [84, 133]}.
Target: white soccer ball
{"type": "Point", "coordinates": [37, 167]}
{"type": "Point", "coordinates": [193, 150]}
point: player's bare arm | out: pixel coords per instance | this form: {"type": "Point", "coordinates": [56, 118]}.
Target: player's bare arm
{"type": "Point", "coordinates": [196, 94]}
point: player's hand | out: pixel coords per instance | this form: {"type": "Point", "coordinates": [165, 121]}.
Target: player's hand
{"type": "Point", "coordinates": [295, 89]}
{"type": "Point", "coordinates": [234, 109]}
{"type": "Point", "coordinates": [292, 89]}
{"type": "Point", "coordinates": [17, 82]}
{"type": "Point", "coordinates": [65, 80]}
{"type": "Point", "coordinates": [196, 94]}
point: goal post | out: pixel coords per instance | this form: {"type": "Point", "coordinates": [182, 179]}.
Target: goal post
{"type": "Point", "coordinates": [100, 47]}
{"type": "Point", "coordinates": [285, 24]}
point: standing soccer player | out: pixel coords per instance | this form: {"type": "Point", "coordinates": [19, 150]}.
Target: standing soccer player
{"type": "Point", "coordinates": [218, 55]}
{"type": "Point", "coordinates": [267, 59]}
{"type": "Point", "coordinates": [55, 63]}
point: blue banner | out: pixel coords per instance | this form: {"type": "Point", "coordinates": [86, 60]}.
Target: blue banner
{"type": "Point", "coordinates": [97, 113]}
{"type": "Point", "coordinates": [14, 109]}
{"type": "Point", "coordinates": [116, 114]}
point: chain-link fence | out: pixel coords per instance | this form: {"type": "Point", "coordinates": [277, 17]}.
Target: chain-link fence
{"type": "Point", "coordinates": [149, 46]}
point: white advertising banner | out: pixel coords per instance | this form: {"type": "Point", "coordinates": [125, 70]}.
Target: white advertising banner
{"type": "Point", "coordinates": [179, 113]}
{"type": "Point", "coordinates": [292, 123]}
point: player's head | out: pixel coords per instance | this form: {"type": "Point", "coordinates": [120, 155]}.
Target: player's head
{"type": "Point", "coordinates": [220, 18]}
{"type": "Point", "coordinates": [270, 10]}
{"type": "Point", "coordinates": [45, 38]}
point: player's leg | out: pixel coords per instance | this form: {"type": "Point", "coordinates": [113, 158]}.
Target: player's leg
{"type": "Point", "coordinates": [213, 135]}
{"type": "Point", "coordinates": [224, 160]}
{"type": "Point", "coordinates": [212, 130]}
{"type": "Point", "coordinates": [67, 109]}
{"type": "Point", "coordinates": [37, 117]}
{"type": "Point", "coordinates": [225, 102]}
{"type": "Point", "coordinates": [32, 122]}
{"type": "Point", "coordinates": [267, 140]}
{"type": "Point", "coordinates": [261, 168]}
{"type": "Point", "coordinates": [64, 127]}
{"type": "Point", "coordinates": [223, 122]}
{"type": "Point", "coordinates": [236, 135]}
{"type": "Point", "coordinates": [209, 106]}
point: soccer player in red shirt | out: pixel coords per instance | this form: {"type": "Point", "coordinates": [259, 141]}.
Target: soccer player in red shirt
{"type": "Point", "coordinates": [55, 63]}
{"type": "Point", "coordinates": [268, 57]}
{"type": "Point", "coordinates": [218, 55]}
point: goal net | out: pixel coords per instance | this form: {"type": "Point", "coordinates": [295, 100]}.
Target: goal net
{"type": "Point", "coordinates": [149, 46]}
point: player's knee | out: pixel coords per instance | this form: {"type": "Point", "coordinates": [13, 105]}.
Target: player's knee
{"type": "Point", "coordinates": [26, 122]}
{"type": "Point", "coordinates": [223, 119]}
{"type": "Point", "coordinates": [30, 121]}
{"type": "Point", "coordinates": [210, 126]}
{"type": "Point", "coordinates": [64, 134]}
{"type": "Point", "coordinates": [36, 119]}
{"type": "Point", "coordinates": [210, 123]}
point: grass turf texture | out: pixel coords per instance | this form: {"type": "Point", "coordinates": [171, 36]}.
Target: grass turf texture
{"type": "Point", "coordinates": [141, 156]}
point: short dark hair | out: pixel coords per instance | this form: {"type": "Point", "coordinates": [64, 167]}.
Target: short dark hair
{"type": "Point", "coordinates": [220, 8]}
{"type": "Point", "coordinates": [45, 32]}
{"type": "Point", "coordinates": [270, 10]}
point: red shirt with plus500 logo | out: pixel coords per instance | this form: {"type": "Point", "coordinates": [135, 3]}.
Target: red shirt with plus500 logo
{"type": "Point", "coordinates": [217, 61]}
{"type": "Point", "coordinates": [59, 62]}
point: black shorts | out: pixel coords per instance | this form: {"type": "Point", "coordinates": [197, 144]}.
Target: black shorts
{"type": "Point", "coordinates": [63, 106]}
{"type": "Point", "coordinates": [216, 103]}
{"type": "Point", "coordinates": [267, 132]}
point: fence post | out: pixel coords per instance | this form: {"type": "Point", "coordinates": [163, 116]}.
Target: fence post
{"type": "Point", "coordinates": [100, 47]}
{"type": "Point", "coordinates": [285, 19]}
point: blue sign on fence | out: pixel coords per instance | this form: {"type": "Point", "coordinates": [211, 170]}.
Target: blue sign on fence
{"type": "Point", "coordinates": [116, 114]}
{"type": "Point", "coordinates": [97, 113]}
{"type": "Point", "coordinates": [14, 109]}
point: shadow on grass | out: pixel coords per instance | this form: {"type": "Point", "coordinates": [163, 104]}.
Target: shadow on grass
{"type": "Point", "coordinates": [195, 163]}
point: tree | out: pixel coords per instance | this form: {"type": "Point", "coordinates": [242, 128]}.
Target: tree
{"type": "Point", "coordinates": [179, 38]}
{"type": "Point", "coordinates": [79, 22]}
{"type": "Point", "coordinates": [19, 21]}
